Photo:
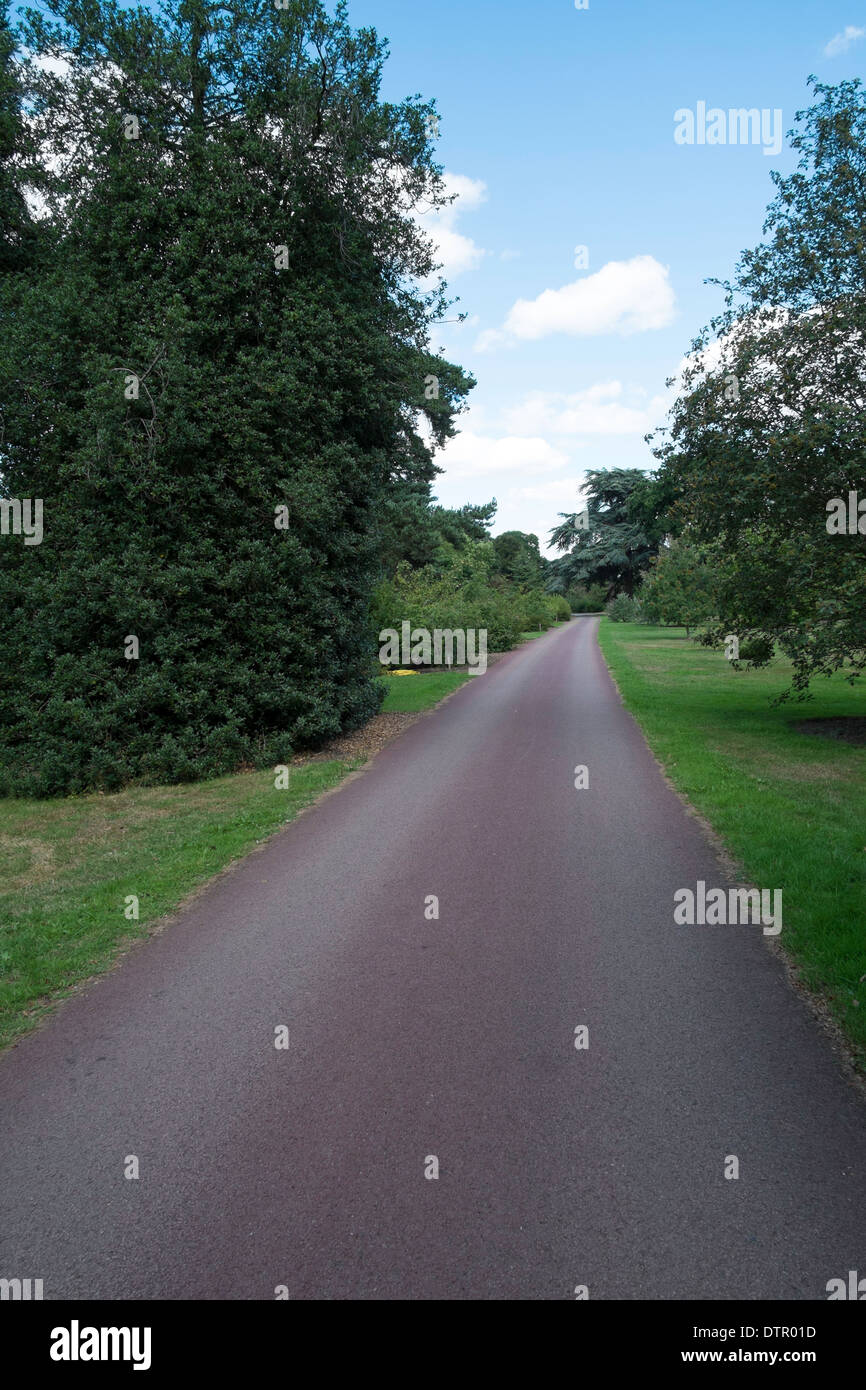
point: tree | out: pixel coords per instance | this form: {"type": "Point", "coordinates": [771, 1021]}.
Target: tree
{"type": "Point", "coordinates": [413, 529]}
{"type": "Point", "coordinates": [17, 231]}
{"type": "Point", "coordinates": [681, 585]}
{"type": "Point", "coordinates": [614, 549]}
{"type": "Point", "coordinates": [770, 425]}
{"type": "Point", "coordinates": [518, 559]}
{"type": "Point", "coordinates": [214, 381]}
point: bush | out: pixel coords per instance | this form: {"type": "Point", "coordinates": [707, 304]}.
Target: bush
{"type": "Point", "coordinates": [681, 586]}
{"type": "Point", "coordinates": [623, 609]}
{"type": "Point", "coordinates": [200, 599]}
{"type": "Point", "coordinates": [757, 649]}
{"type": "Point", "coordinates": [562, 607]}
{"type": "Point", "coordinates": [587, 600]}
{"type": "Point", "coordinates": [538, 611]}
{"type": "Point", "coordinates": [426, 598]}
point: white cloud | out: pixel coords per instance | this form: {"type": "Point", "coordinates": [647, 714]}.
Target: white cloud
{"type": "Point", "coordinates": [59, 67]}
{"type": "Point", "coordinates": [457, 253]}
{"type": "Point", "coordinates": [601, 409]}
{"type": "Point", "coordinates": [562, 492]}
{"type": "Point", "coordinates": [490, 338]}
{"type": "Point", "coordinates": [623, 297]}
{"type": "Point", "coordinates": [840, 43]}
{"type": "Point", "coordinates": [470, 455]}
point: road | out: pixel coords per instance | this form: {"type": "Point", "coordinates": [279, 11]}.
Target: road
{"type": "Point", "coordinates": [413, 1038]}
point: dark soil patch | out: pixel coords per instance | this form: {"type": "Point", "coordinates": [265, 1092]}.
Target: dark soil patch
{"type": "Point", "coordinates": [362, 742]}
{"type": "Point", "coordinates": [848, 728]}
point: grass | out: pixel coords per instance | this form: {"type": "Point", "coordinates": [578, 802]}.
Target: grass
{"type": "Point", "coordinates": [411, 694]}
{"type": "Point", "coordinates": [67, 866]}
{"type": "Point", "coordinates": [790, 807]}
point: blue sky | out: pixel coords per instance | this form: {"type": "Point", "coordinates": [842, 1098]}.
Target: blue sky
{"type": "Point", "coordinates": [557, 127]}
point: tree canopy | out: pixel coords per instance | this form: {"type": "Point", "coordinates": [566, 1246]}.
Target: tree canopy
{"type": "Point", "coordinates": [608, 544]}
{"type": "Point", "coordinates": [769, 427]}
{"type": "Point", "coordinates": [212, 370]}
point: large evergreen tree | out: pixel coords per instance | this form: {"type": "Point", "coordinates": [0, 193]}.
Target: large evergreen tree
{"type": "Point", "coordinates": [17, 231]}
{"type": "Point", "coordinates": [213, 379]}
{"type": "Point", "coordinates": [613, 542]}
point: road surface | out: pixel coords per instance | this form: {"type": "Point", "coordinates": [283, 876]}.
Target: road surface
{"type": "Point", "coordinates": [414, 1039]}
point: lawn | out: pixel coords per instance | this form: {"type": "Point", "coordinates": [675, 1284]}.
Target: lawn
{"type": "Point", "coordinates": [411, 694]}
{"type": "Point", "coordinates": [789, 806]}
{"type": "Point", "coordinates": [68, 866]}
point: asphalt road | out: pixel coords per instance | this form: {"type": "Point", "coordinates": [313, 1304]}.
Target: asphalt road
{"type": "Point", "coordinates": [412, 1038]}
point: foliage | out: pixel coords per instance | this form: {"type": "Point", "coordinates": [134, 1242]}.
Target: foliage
{"type": "Point", "coordinates": [770, 425]}
{"type": "Point", "coordinates": [614, 549]}
{"type": "Point", "coordinates": [681, 586]}
{"type": "Point", "coordinates": [586, 598]}
{"type": "Point", "coordinates": [17, 230]}
{"type": "Point", "coordinates": [623, 609]}
{"type": "Point", "coordinates": [518, 559]}
{"type": "Point", "coordinates": [459, 598]}
{"type": "Point", "coordinates": [260, 385]}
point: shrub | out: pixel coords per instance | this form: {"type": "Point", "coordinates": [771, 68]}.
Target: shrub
{"type": "Point", "coordinates": [426, 598]}
{"type": "Point", "coordinates": [623, 609]}
{"type": "Point", "coordinates": [757, 649]}
{"type": "Point", "coordinates": [587, 599]}
{"type": "Point", "coordinates": [537, 610]}
{"type": "Point", "coordinates": [681, 586]}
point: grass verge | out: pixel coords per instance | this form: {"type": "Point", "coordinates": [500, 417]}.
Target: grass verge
{"type": "Point", "coordinates": [68, 866]}
{"type": "Point", "coordinates": [411, 694]}
{"type": "Point", "coordinates": [790, 807]}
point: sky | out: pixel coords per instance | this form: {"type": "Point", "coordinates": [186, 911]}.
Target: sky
{"type": "Point", "coordinates": [563, 128]}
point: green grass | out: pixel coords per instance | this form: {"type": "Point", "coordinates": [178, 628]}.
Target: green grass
{"type": "Point", "coordinates": [790, 807]}
{"type": "Point", "coordinates": [67, 865]}
{"type": "Point", "coordinates": [411, 694]}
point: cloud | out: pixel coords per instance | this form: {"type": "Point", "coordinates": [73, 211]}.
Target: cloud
{"type": "Point", "coordinates": [601, 409]}
{"type": "Point", "coordinates": [490, 338]}
{"type": "Point", "coordinates": [458, 253]}
{"type": "Point", "coordinates": [470, 455]}
{"type": "Point", "coordinates": [562, 492]}
{"type": "Point", "coordinates": [840, 43]}
{"type": "Point", "coordinates": [623, 297]}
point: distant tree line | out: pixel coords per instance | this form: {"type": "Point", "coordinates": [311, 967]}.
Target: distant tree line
{"type": "Point", "coordinates": [738, 530]}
